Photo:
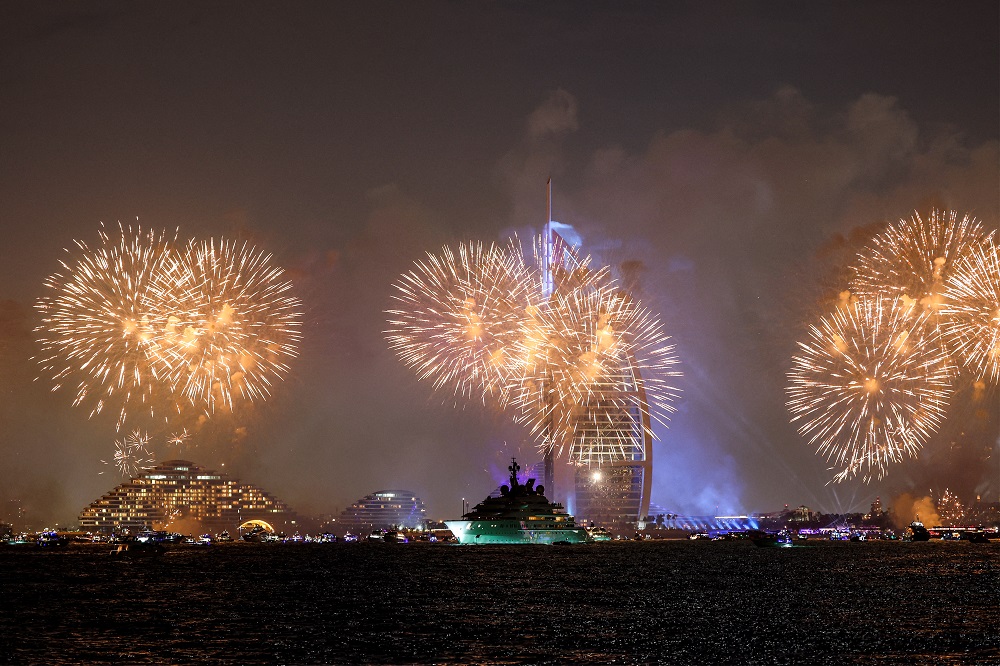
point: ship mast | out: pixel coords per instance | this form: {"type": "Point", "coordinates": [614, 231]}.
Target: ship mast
{"type": "Point", "coordinates": [549, 286]}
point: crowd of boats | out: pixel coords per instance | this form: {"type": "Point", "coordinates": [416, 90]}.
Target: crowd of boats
{"type": "Point", "coordinates": [518, 513]}
{"type": "Point", "coordinates": [916, 531]}
{"type": "Point", "coordinates": [154, 542]}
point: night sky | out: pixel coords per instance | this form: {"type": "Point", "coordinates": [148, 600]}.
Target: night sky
{"type": "Point", "coordinates": [724, 157]}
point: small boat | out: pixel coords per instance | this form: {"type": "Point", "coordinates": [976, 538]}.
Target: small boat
{"type": "Point", "coordinates": [782, 539]}
{"type": "Point", "coordinates": [918, 532]}
{"type": "Point", "coordinates": [159, 536]}
{"type": "Point", "coordinates": [257, 534]}
{"type": "Point", "coordinates": [599, 534]}
{"type": "Point", "coordinates": [52, 540]}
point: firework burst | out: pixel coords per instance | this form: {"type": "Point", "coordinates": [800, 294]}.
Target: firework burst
{"type": "Point", "coordinates": [179, 438]}
{"type": "Point", "coordinates": [580, 363]}
{"type": "Point", "coordinates": [971, 323]}
{"type": "Point", "coordinates": [94, 334]}
{"type": "Point", "coordinates": [595, 374]}
{"type": "Point", "coordinates": [132, 455]}
{"type": "Point", "coordinates": [224, 323]}
{"type": "Point", "coordinates": [869, 387]}
{"type": "Point", "coordinates": [913, 258]}
{"type": "Point", "coordinates": [461, 317]}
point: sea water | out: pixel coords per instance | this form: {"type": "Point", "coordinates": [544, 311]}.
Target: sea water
{"type": "Point", "coordinates": [679, 602]}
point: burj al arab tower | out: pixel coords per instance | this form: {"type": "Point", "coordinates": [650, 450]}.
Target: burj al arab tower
{"type": "Point", "coordinates": [602, 468]}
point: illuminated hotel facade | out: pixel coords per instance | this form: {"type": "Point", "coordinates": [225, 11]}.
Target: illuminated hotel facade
{"type": "Point", "coordinates": [176, 492]}
{"type": "Point", "coordinates": [384, 509]}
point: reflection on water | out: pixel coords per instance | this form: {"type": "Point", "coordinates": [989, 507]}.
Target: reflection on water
{"type": "Point", "coordinates": [634, 603]}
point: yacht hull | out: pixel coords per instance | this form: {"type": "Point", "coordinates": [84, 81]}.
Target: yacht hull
{"type": "Point", "coordinates": [512, 532]}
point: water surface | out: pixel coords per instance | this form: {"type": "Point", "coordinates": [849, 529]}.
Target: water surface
{"type": "Point", "coordinates": [629, 603]}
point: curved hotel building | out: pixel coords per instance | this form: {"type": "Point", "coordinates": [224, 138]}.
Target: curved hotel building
{"type": "Point", "coordinates": [605, 474]}
{"type": "Point", "coordinates": [179, 491]}
{"type": "Point", "coordinates": [384, 509]}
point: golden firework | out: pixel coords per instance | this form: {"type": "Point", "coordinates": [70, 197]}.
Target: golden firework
{"type": "Point", "coordinates": [95, 334]}
{"type": "Point", "coordinates": [460, 318]}
{"type": "Point", "coordinates": [912, 259]}
{"type": "Point", "coordinates": [869, 386]}
{"type": "Point", "coordinates": [971, 321]}
{"type": "Point", "coordinates": [224, 323]}
{"type": "Point", "coordinates": [132, 455]}
{"type": "Point", "coordinates": [595, 374]}
{"type": "Point", "coordinates": [583, 365]}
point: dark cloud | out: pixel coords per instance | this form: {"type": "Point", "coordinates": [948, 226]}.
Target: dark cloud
{"type": "Point", "coordinates": [557, 115]}
{"type": "Point", "coordinates": [765, 220]}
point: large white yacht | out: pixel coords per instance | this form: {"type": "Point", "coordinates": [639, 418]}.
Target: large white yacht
{"type": "Point", "coordinates": [521, 514]}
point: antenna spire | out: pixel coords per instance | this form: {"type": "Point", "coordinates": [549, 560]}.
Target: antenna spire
{"type": "Point", "coordinates": [548, 186]}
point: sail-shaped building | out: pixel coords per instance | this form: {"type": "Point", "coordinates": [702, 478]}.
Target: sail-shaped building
{"type": "Point", "coordinates": [604, 474]}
